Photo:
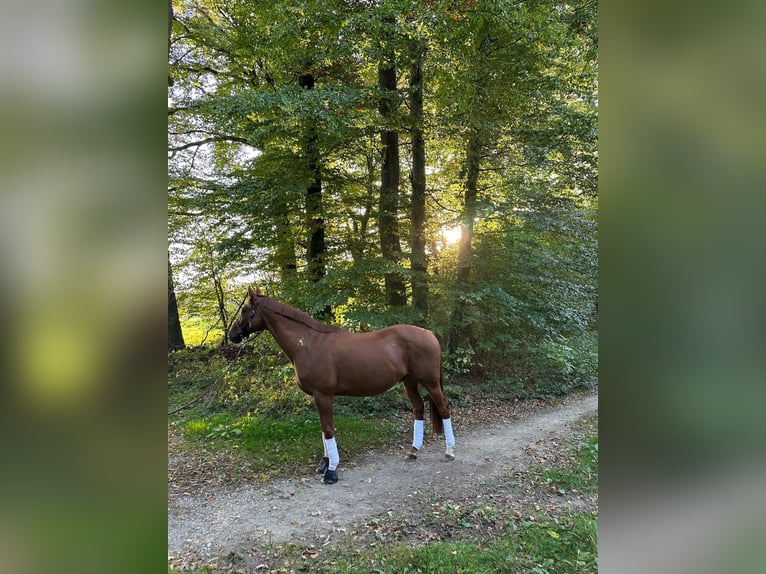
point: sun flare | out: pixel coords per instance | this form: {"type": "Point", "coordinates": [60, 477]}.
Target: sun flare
{"type": "Point", "coordinates": [451, 235]}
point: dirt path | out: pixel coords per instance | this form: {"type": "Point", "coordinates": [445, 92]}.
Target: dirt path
{"type": "Point", "coordinates": [216, 523]}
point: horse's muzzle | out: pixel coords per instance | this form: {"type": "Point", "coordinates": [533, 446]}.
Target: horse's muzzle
{"type": "Point", "coordinates": [235, 338]}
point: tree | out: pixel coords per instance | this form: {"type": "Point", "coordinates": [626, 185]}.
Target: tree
{"type": "Point", "coordinates": [495, 94]}
{"type": "Point", "coordinates": [175, 334]}
{"type": "Point", "coordinates": [460, 330]}
{"type": "Point", "coordinates": [388, 209]}
{"type": "Point", "coordinates": [316, 249]}
{"type": "Point", "coordinates": [419, 261]}
{"type": "Point", "coordinates": [292, 126]}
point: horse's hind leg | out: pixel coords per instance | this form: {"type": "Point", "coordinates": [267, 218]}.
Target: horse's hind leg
{"type": "Point", "coordinates": [418, 410]}
{"type": "Point", "coordinates": [441, 416]}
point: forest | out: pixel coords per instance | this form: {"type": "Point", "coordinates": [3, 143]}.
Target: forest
{"type": "Point", "coordinates": [373, 162]}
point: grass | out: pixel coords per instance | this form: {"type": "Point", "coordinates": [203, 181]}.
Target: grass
{"type": "Point", "coordinates": [566, 544]}
{"type": "Point", "coordinates": [276, 442]}
{"type": "Point", "coordinates": [581, 475]}
{"type": "Point", "coordinates": [197, 331]}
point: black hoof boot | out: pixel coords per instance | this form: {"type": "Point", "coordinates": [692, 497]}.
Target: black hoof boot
{"type": "Point", "coordinates": [325, 462]}
{"type": "Point", "coordinates": [330, 477]}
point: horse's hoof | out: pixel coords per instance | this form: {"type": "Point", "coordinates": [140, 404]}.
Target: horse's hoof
{"type": "Point", "coordinates": [450, 454]}
{"type": "Point", "coordinates": [413, 454]}
{"type": "Point", "coordinates": [330, 477]}
{"type": "Point", "coordinates": [323, 465]}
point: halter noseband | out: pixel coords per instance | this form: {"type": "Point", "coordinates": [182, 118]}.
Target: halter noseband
{"type": "Point", "coordinates": [253, 309]}
{"type": "Point", "coordinates": [238, 320]}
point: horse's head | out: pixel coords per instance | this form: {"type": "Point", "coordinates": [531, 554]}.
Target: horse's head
{"type": "Point", "coordinates": [250, 320]}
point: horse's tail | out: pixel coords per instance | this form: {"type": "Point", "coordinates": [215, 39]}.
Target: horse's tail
{"type": "Point", "coordinates": [436, 419]}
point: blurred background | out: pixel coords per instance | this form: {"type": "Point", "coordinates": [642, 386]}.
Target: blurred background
{"type": "Point", "coordinates": [84, 243]}
{"type": "Point", "coordinates": [82, 222]}
{"type": "Point", "coordinates": [682, 283]}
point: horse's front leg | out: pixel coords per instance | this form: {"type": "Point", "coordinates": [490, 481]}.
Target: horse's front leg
{"type": "Point", "coordinates": [325, 462]}
{"type": "Point", "coordinates": [331, 459]}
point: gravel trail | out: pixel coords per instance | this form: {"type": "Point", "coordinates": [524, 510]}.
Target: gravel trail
{"type": "Point", "coordinates": [218, 522]}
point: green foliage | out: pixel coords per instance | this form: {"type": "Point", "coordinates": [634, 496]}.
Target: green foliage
{"type": "Point", "coordinates": [191, 371]}
{"type": "Point", "coordinates": [521, 75]}
{"type": "Point", "coordinates": [263, 382]}
{"type": "Point", "coordinates": [458, 363]}
{"type": "Point", "coordinates": [391, 403]}
{"type": "Point", "coordinates": [561, 366]}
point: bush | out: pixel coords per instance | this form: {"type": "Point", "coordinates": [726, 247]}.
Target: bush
{"type": "Point", "coordinates": [553, 368]}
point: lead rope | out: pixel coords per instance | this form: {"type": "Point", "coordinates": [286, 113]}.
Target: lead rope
{"type": "Point", "coordinates": [229, 366]}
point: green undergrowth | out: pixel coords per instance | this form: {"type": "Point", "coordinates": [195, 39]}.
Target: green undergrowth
{"type": "Point", "coordinates": [567, 544]}
{"type": "Point", "coordinates": [581, 474]}
{"type": "Point", "coordinates": [292, 439]}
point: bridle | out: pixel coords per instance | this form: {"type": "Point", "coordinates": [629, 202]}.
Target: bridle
{"type": "Point", "coordinates": [241, 328]}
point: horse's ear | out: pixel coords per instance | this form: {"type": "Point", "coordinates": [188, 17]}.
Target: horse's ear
{"type": "Point", "coordinates": [252, 294]}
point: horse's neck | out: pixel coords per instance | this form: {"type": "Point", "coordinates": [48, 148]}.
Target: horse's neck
{"type": "Point", "coordinates": [292, 336]}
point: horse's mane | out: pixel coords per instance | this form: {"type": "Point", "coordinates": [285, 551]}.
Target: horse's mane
{"type": "Point", "coordinates": [297, 315]}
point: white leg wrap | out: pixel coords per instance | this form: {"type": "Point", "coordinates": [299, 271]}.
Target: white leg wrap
{"type": "Point", "coordinates": [417, 435]}
{"type": "Point", "coordinates": [332, 453]}
{"type": "Point", "coordinates": [448, 436]}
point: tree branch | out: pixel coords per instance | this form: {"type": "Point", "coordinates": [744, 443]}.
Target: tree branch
{"type": "Point", "coordinates": [210, 140]}
{"type": "Point", "coordinates": [185, 213]}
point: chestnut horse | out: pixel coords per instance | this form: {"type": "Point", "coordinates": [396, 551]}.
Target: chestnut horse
{"type": "Point", "coordinates": [331, 361]}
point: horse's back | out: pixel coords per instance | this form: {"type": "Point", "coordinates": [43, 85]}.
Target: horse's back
{"type": "Point", "coordinates": [370, 363]}
{"type": "Point", "coordinates": [409, 337]}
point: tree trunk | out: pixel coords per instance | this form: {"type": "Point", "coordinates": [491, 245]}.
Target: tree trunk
{"type": "Point", "coordinates": [175, 334]}
{"type": "Point", "coordinates": [315, 250]}
{"type": "Point", "coordinates": [221, 302]}
{"type": "Point", "coordinates": [388, 211]}
{"type": "Point", "coordinates": [170, 22]}
{"type": "Point", "coordinates": [418, 179]}
{"type": "Point", "coordinates": [459, 332]}
{"type": "Point", "coordinates": [465, 254]}
{"type": "Point", "coordinates": [360, 222]}
{"type": "Point", "coordinates": [315, 246]}
{"type": "Point", "coordinates": [285, 248]}
{"type": "Point", "coordinates": [170, 31]}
